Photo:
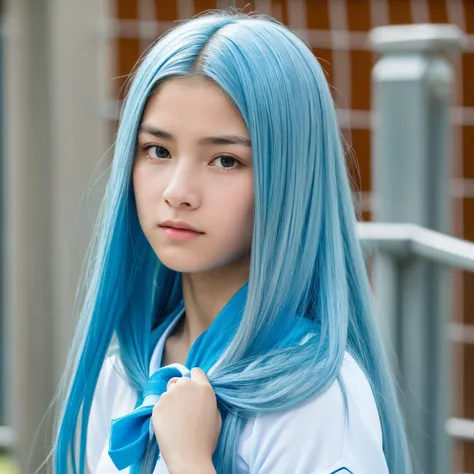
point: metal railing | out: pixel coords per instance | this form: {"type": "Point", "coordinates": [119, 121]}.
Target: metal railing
{"type": "Point", "coordinates": [412, 84]}
{"type": "Point", "coordinates": [404, 241]}
{"type": "Point", "coordinates": [407, 240]}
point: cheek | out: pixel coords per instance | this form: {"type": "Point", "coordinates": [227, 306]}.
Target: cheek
{"type": "Point", "coordinates": [146, 190]}
{"type": "Point", "coordinates": [237, 216]}
{"type": "Point", "coordinates": [138, 191]}
{"type": "Point", "coordinates": [143, 205]}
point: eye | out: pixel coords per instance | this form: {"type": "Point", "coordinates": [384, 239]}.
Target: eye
{"type": "Point", "coordinates": [159, 153]}
{"type": "Point", "coordinates": [227, 162]}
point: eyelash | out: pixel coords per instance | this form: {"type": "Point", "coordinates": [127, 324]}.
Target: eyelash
{"type": "Point", "coordinates": [145, 149]}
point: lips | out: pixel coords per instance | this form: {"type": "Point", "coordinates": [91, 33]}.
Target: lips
{"type": "Point", "coordinates": [179, 225]}
{"type": "Point", "coordinates": [179, 228]}
{"type": "Point", "coordinates": [180, 234]}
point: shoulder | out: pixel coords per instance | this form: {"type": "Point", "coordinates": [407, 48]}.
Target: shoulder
{"type": "Point", "coordinates": [113, 397]}
{"type": "Point", "coordinates": [321, 436]}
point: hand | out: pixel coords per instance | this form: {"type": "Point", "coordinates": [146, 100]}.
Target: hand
{"type": "Point", "coordinates": [187, 423]}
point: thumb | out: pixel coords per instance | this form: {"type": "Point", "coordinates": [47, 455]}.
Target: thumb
{"type": "Point", "coordinates": [199, 376]}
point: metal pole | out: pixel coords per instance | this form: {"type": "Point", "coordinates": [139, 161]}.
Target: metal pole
{"type": "Point", "coordinates": [411, 94]}
{"type": "Point", "coordinates": [55, 138]}
{"type": "Point", "coordinates": [26, 183]}
{"type": "Point", "coordinates": [3, 354]}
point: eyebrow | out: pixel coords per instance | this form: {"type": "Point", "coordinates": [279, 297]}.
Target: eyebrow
{"type": "Point", "coordinates": [221, 140]}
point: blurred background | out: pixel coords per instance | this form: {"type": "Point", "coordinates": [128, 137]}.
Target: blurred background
{"type": "Point", "coordinates": [63, 66]}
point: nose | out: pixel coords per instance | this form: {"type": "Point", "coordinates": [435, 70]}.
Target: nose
{"type": "Point", "coordinates": [181, 189]}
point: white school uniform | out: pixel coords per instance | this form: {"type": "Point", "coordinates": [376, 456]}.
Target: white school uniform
{"type": "Point", "coordinates": [310, 439]}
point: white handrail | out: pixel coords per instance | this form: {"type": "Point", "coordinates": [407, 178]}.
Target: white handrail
{"type": "Point", "coordinates": [404, 240]}
{"type": "Point", "coordinates": [460, 428]}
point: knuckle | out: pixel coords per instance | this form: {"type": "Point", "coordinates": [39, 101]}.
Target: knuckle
{"type": "Point", "coordinates": [207, 389]}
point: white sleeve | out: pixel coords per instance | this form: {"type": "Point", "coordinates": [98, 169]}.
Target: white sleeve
{"type": "Point", "coordinates": [314, 438]}
{"type": "Point", "coordinates": [99, 419]}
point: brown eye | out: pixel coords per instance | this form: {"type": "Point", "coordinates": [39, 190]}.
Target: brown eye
{"type": "Point", "coordinates": [227, 162]}
{"type": "Point", "coordinates": [160, 152]}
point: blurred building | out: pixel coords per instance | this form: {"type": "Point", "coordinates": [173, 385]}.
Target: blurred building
{"type": "Point", "coordinates": [337, 32]}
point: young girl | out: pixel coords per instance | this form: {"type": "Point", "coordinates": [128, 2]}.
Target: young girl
{"type": "Point", "coordinates": [228, 275]}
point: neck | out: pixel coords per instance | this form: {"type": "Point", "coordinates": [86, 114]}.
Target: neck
{"type": "Point", "coordinates": [206, 294]}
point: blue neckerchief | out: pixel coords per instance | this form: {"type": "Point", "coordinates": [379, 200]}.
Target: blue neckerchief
{"type": "Point", "coordinates": [130, 434]}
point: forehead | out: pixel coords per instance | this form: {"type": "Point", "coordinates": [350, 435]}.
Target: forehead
{"type": "Point", "coordinates": [193, 100]}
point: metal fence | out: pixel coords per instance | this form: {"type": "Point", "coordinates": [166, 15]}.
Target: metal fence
{"type": "Point", "coordinates": [405, 245]}
{"type": "Point", "coordinates": [411, 92]}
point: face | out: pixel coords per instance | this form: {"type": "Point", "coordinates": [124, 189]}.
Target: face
{"type": "Point", "coordinates": [193, 165]}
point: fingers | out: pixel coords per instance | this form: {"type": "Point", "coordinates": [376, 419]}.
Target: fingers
{"type": "Point", "coordinates": [199, 376]}
{"type": "Point", "coordinates": [172, 381]}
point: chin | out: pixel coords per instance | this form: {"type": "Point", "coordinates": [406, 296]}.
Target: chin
{"type": "Point", "coordinates": [183, 267]}
{"type": "Point", "coordinates": [186, 265]}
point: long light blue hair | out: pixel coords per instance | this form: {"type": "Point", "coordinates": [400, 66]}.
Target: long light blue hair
{"type": "Point", "coordinates": [305, 254]}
